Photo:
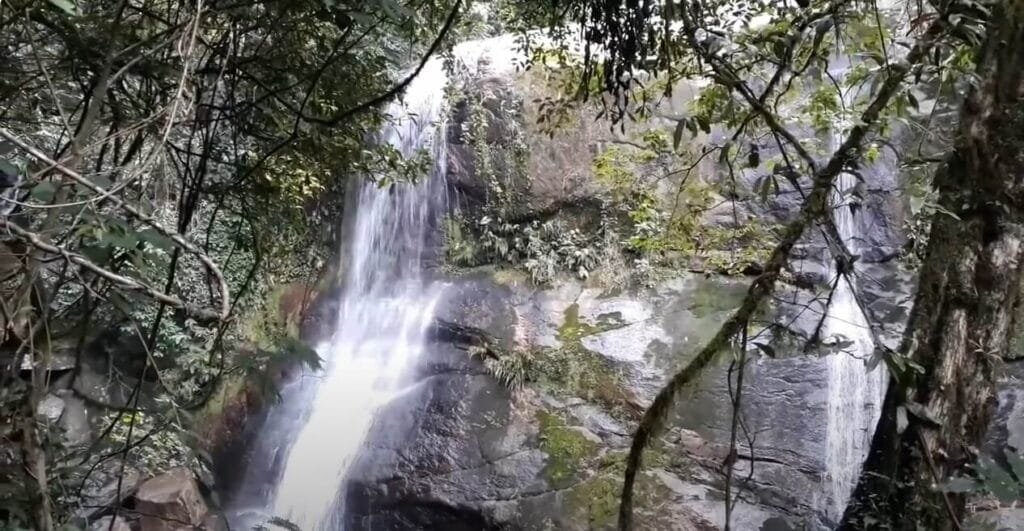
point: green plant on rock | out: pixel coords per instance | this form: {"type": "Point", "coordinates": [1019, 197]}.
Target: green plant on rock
{"type": "Point", "coordinates": [568, 450]}
{"type": "Point", "coordinates": [459, 247]}
{"type": "Point", "coordinates": [544, 250]}
{"type": "Point", "coordinates": [1005, 482]}
{"type": "Point", "coordinates": [511, 369]}
{"type": "Point", "coordinates": [611, 169]}
{"type": "Point", "coordinates": [648, 224]}
{"type": "Point", "coordinates": [733, 250]}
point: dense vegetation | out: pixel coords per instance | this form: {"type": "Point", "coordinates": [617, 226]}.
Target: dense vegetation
{"type": "Point", "coordinates": [171, 171]}
{"type": "Point", "coordinates": [174, 173]}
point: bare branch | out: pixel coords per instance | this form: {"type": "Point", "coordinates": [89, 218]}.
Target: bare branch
{"type": "Point", "coordinates": [177, 238]}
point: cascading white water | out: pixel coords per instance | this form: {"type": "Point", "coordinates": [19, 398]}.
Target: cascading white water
{"type": "Point", "coordinates": [854, 393]}
{"type": "Point", "coordinates": [312, 437]}
{"type": "Point", "coordinates": [386, 308]}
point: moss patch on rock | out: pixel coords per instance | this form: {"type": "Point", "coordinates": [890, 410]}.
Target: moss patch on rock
{"type": "Point", "coordinates": [568, 450]}
{"type": "Point", "coordinates": [575, 370]}
{"type": "Point", "coordinates": [596, 501]}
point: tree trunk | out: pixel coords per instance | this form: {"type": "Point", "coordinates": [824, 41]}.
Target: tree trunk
{"type": "Point", "coordinates": [933, 420]}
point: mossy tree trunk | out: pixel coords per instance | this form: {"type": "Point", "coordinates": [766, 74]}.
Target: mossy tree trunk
{"type": "Point", "coordinates": [934, 419]}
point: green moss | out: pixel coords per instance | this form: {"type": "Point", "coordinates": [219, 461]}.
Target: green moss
{"type": "Point", "coordinates": [597, 499]}
{"type": "Point", "coordinates": [573, 369]}
{"type": "Point", "coordinates": [572, 329]}
{"type": "Point", "coordinates": [231, 386]}
{"type": "Point", "coordinates": [567, 449]}
{"type": "Point", "coordinates": [267, 324]}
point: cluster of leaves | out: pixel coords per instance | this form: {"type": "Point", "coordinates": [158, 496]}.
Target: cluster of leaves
{"type": "Point", "coordinates": [544, 249]}
{"type": "Point", "coordinates": [512, 370]}
{"type": "Point", "coordinates": [1004, 480]}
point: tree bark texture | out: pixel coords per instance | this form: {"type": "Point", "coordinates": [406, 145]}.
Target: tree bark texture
{"type": "Point", "coordinates": [964, 308]}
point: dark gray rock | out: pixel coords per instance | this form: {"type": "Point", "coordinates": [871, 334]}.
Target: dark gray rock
{"type": "Point", "coordinates": [476, 301]}
{"type": "Point", "coordinates": [107, 487]}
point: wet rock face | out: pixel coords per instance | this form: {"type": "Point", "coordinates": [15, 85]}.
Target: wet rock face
{"type": "Point", "coordinates": [460, 451]}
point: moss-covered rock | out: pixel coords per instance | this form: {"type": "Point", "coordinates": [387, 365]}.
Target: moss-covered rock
{"type": "Point", "coordinates": [569, 451]}
{"type": "Point", "coordinates": [573, 369]}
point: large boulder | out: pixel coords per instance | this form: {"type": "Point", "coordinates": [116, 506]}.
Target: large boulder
{"type": "Point", "coordinates": [170, 502]}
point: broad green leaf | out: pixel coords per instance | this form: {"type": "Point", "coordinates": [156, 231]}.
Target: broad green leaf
{"type": "Point", "coordinates": [1016, 461]}
{"type": "Point", "coordinates": [901, 419]}
{"type": "Point", "coordinates": [768, 350]}
{"type": "Point", "coordinates": [44, 191]}
{"type": "Point", "coordinates": [7, 168]}
{"type": "Point", "coordinates": [997, 480]}
{"type": "Point", "coordinates": [67, 6]}
{"type": "Point", "coordinates": [921, 412]}
{"type": "Point", "coordinates": [154, 238]}
{"type": "Point", "coordinates": [96, 253]}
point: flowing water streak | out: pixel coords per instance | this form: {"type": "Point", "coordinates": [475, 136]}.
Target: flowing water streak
{"type": "Point", "coordinates": [854, 394]}
{"type": "Point", "coordinates": [386, 309]}
{"type": "Point", "coordinates": [387, 306]}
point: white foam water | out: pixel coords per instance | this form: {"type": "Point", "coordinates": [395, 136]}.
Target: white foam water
{"type": "Point", "coordinates": [385, 312]}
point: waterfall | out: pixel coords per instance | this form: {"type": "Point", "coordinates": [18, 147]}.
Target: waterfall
{"type": "Point", "coordinates": [390, 235]}
{"type": "Point", "coordinates": [385, 311]}
{"type": "Point", "coordinates": [311, 438]}
{"type": "Point", "coordinates": [854, 394]}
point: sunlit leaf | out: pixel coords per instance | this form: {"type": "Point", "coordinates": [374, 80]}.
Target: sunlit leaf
{"type": "Point", "coordinates": [67, 6]}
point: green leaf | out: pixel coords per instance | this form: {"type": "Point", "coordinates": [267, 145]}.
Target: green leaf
{"type": "Point", "coordinates": [7, 168]}
{"type": "Point", "coordinates": [921, 413]}
{"type": "Point", "coordinates": [913, 100]}
{"type": "Point", "coordinates": [43, 192]}
{"type": "Point", "coordinates": [95, 253]}
{"type": "Point", "coordinates": [363, 19]}
{"type": "Point", "coordinates": [704, 123]}
{"type": "Point", "coordinates": [998, 481]}
{"type": "Point", "coordinates": [916, 204]}
{"type": "Point", "coordinates": [901, 419]}
{"type": "Point", "coordinates": [157, 240]}
{"type": "Point", "coordinates": [67, 6]}
{"type": "Point", "coordinates": [677, 134]}
{"type": "Point", "coordinates": [301, 352]}
{"type": "Point", "coordinates": [1016, 461]}
{"type": "Point", "coordinates": [119, 238]}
